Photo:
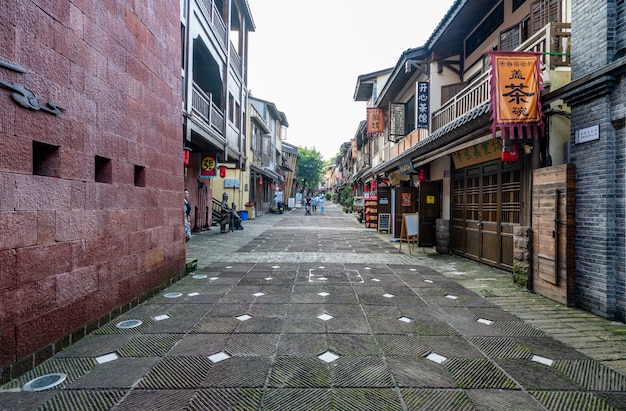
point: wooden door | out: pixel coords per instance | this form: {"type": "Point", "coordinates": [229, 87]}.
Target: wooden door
{"type": "Point", "coordinates": [405, 199]}
{"type": "Point", "coordinates": [553, 223]}
{"type": "Point", "coordinates": [429, 210]}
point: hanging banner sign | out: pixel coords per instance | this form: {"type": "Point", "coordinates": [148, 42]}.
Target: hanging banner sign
{"type": "Point", "coordinates": [515, 94]}
{"type": "Point", "coordinates": [375, 121]}
{"type": "Point", "coordinates": [208, 165]}
{"type": "Point", "coordinates": [406, 167]}
{"type": "Point", "coordinates": [423, 104]}
{"type": "Point", "coordinates": [396, 119]}
{"type": "Point", "coordinates": [355, 150]}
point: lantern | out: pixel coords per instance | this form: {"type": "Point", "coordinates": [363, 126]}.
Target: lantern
{"type": "Point", "coordinates": [509, 153]}
{"type": "Point", "coordinates": [222, 171]}
{"type": "Point", "coordinates": [186, 151]}
{"type": "Point", "coordinates": [271, 186]}
{"type": "Point", "coordinates": [367, 188]}
{"type": "Point", "coordinates": [374, 185]}
{"type": "Point", "coordinates": [260, 181]}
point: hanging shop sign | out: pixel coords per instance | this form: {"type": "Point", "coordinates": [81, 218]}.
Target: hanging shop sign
{"type": "Point", "coordinates": [516, 89]}
{"type": "Point", "coordinates": [406, 167]}
{"type": "Point", "coordinates": [208, 165]}
{"type": "Point", "coordinates": [479, 153]}
{"type": "Point", "coordinates": [375, 122]}
{"type": "Point", "coordinates": [396, 120]}
{"type": "Point", "coordinates": [422, 106]}
{"type": "Point", "coordinates": [355, 150]}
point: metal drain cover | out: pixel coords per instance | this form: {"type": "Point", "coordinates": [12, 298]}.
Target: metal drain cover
{"type": "Point", "coordinates": [44, 382]}
{"type": "Point", "coordinates": [129, 324]}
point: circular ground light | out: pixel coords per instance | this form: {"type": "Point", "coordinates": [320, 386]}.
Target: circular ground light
{"type": "Point", "coordinates": [129, 324]}
{"type": "Point", "coordinates": [44, 382]}
{"type": "Point", "coordinates": [172, 295]}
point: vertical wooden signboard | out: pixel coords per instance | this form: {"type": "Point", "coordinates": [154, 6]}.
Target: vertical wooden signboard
{"type": "Point", "coordinates": [409, 231]}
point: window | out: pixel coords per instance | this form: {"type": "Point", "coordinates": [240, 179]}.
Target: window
{"type": "Point", "coordinates": [140, 176]}
{"type": "Point", "coordinates": [543, 12]}
{"type": "Point", "coordinates": [484, 29]}
{"type": "Point", "coordinates": [103, 170]}
{"type": "Point", "coordinates": [45, 160]}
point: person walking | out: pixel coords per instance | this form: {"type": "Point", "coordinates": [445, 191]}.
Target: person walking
{"type": "Point", "coordinates": [321, 204]}
{"type": "Point", "coordinates": [186, 216]}
{"type": "Point", "coordinates": [314, 204]}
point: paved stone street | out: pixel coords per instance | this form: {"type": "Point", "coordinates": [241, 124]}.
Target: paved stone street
{"type": "Point", "coordinates": [314, 312]}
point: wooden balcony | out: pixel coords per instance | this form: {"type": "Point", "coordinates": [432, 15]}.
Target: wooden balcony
{"type": "Point", "coordinates": [202, 106]}
{"type": "Point", "coordinates": [212, 15]}
{"type": "Point", "coordinates": [554, 41]}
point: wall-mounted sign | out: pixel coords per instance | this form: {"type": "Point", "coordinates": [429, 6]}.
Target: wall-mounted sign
{"type": "Point", "coordinates": [486, 151]}
{"type": "Point", "coordinates": [375, 121]}
{"type": "Point", "coordinates": [406, 167]}
{"type": "Point", "coordinates": [231, 183]}
{"type": "Point", "coordinates": [587, 134]}
{"type": "Point", "coordinates": [430, 199]}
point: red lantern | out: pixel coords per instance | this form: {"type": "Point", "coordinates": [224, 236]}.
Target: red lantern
{"type": "Point", "coordinates": [260, 181]}
{"type": "Point", "coordinates": [186, 156]}
{"type": "Point", "coordinates": [271, 186]}
{"type": "Point", "coordinates": [222, 171]}
{"type": "Point", "coordinates": [510, 153]}
{"type": "Point", "coordinates": [374, 185]}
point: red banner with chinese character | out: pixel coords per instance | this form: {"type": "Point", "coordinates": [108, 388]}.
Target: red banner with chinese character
{"type": "Point", "coordinates": [208, 165]}
{"type": "Point", "coordinates": [515, 94]}
{"type": "Point", "coordinates": [375, 121]}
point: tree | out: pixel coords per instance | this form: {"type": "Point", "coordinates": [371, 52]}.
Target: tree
{"type": "Point", "coordinates": [310, 168]}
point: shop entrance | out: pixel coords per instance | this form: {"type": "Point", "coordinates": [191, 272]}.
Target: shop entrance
{"type": "Point", "coordinates": [486, 205]}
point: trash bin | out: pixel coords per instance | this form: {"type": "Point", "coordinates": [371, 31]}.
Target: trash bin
{"type": "Point", "coordinates": [243, 215]}
{"type": "Point", "coordinates": [251, 210]}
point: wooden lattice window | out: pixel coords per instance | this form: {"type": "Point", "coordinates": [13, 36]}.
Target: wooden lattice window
{"type": "Point", "coordinates": [543, 12]}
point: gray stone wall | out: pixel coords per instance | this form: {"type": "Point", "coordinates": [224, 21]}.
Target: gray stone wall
{"type": "Point", "coordinates": [597, 37]}
{"type": "Point", "coordinates": [443, 236]}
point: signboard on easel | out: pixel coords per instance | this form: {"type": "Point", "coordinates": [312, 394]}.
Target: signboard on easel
{"type": "Point", "coordinates": [409, 230]}
{"type": "Point", "coordinates": [383, 222]}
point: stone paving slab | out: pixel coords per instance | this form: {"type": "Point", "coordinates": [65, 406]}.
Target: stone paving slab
{"type": "Point", "coordinates": [316, 313]}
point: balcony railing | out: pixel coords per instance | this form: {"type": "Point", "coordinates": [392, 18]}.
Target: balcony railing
{"type": "Point", "coordinates": [554, 41]}
{"type": "Point", "coordinates": [212, 14]}
{"type": "Point", "coordinates": [203, 106]}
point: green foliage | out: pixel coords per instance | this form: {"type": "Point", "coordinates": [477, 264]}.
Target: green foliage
{"type": "Point", "coordinates": [310, 168]}
{"type": "Point", "coordinates": [345, 197]}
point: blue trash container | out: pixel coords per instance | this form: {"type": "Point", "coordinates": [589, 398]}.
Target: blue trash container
{"type": "Point", "coordinates": [243, 215]}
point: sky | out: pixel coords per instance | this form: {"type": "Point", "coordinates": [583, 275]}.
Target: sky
{"type": "Point", "coordinates": [306, 56]}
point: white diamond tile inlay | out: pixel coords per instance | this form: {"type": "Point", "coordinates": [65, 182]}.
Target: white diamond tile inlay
{"type": "Point", "coordinates": [229, 266]}
{"type": "Point", "coordinates": [325, 317]}
{"type": "Point", "coordinates": [452, 297]}
{"type": "Point", "coordinates": [366, 268]}
{"type": "Point", "coordinates": [388, 295]}
{"type": "Point", "coordinates": [542, 360]}
{"type": "Point", "coordinates": [106, 358]}
{"type": "Point", "coordinates": [412, 269]}
{"type": "Point", "coordinates": [213, 278]}
{"type": "Point", "coordinates": [321, 267]}
{"type": "Point", "coordinates": [200, 276]}
{"type": "Point", "coordinates": [428, 281]}
{"type": "Point", "coordinates": [436, 358]}
{"type": "Point", "coordinates": [323, 294]}
{"type": "Point", "coordinates": [244, 317]}
{"type": "Point", "coordinates": [268, 278]}
{"type": "Point", "coordinates": [405, 319]}
{"type": "Point", "coordinates": [322, 278]}
{"type": "Point", "coordinates": [275, 266]}
{"type": "Point", "coordinates": [193, 294]}
{"type": "Point", "coordinates": [220, 356]}
{"type": "Point", "coordinates": [161, 317]}
{"type": "Point", "coordinates": [376, 280]}
{"type": "Point", "coordinates": [258, 294]}
{"type": "Point", "coordinates": [328, 357]}
{"type": "Point", "coordinates": [484, 321]}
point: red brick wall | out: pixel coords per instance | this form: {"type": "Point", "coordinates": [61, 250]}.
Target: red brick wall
{"type": "Point", "coordinates": [75, 252]}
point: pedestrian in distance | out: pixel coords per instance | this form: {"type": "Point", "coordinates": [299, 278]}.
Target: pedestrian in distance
{"type": "Point", "coordinates": [321, 204]}
{"type": "Point", "coordinates": [314, 205]}
{"type": "Point", "coordinates": [186, 216]}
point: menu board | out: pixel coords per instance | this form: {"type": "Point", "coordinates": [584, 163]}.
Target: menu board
{"type": "Point", "coordinates": [371, 212]}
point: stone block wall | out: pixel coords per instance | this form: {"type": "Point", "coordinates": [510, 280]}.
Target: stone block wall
{"type": "Point", "coordinates": [90, 198]}
{"type": "Point", "coordinates": [597, 42]}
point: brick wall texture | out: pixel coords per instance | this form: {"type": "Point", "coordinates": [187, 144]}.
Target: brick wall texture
{"type": "Point", "coordinates": [597, 38]}
{"type": "Point", "coordinates": [73, 251]}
